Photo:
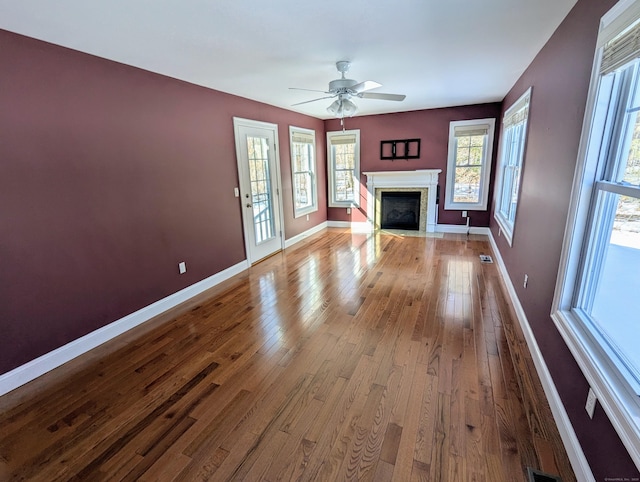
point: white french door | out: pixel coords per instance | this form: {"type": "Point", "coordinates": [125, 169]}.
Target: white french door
{"type": "Point", "coordinates": [258, 171]}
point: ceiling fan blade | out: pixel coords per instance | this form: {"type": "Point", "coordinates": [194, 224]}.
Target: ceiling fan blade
{"type": "Point", "coordinates": [313, 100]}
{"type": "Point", "coordinates": [380, 96]}
{"type": "Point", "coordinates": [366, 85]}
{"type": "Point", "coordinates": [309, 90]}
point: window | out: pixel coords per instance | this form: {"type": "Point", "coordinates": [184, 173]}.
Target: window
{"type": "Point", "coordinates": [514, 134]}
{"type": "Point", "coordinates": [469, 164]}
{"type": "Point", "coordinates": [343, 153]}
{"type": "Point", "coordinates": [303, 170]}
{"type": "Point", "coordinates": [608, 282]}
{"type": "Point", "coordinates": [596, 305]}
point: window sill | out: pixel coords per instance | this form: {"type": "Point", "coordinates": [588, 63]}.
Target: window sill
{"type": "Point", "coordinates": [302, 212]}
{"type": "Point", "coordinates": [505, 228]}
{"type": "Point", "coordinates": [464, 207]}
{"type": "Point", "coordinates": [347, 204]}
{"type": "Point", "coordinates": [616, 396]}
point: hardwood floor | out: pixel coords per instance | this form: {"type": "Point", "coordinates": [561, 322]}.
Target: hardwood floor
{"type": "Point", "coordinates": [347, 357]}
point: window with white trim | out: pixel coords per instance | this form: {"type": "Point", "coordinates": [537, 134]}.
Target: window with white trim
{"type": "Point", "coordinates": [303, 170]}
{"type": "Point", "coordinates": [597, 303]}
{"type": "Point", "coordinates": [514, 135]}
{"type": "Point", "coordinates": [343, 155]}
{"type": "Point", "coordinates": [469, 164]}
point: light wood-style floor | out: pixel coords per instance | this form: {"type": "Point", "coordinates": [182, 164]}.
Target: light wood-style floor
{"type": "Point", "coordinates": [347, 357]}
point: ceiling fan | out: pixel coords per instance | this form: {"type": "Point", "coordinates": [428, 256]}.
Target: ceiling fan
{"type": "Point", "coordinates": [346, 89]}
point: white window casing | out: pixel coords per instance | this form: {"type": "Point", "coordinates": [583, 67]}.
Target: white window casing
{"type": "Point", "coordinates": [469, 159]}
{"type": "Point", "coordinates": [511, 163]}
{"type": "Point", "coordinates": [303, 170]}
{"type": "Point", "coordinates": [343, 165]}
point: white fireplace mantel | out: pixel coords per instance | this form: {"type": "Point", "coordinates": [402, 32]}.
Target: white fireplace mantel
{"type": "Point", "coordinates": [421, 179]}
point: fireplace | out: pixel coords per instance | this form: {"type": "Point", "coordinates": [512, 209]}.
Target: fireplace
{"type": "Point", "coordinates": [421, 181]}
{"type": "Point", "coordinates": [400, 210]}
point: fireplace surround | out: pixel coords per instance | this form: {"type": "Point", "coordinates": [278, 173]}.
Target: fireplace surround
{"type": "Point", "coordinates": [424, 181]}
{"type": "Point", "coordinates": [400, 210]}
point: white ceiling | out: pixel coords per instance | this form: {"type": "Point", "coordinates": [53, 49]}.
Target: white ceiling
{"type": "Point", "coordinates": [439, 53]}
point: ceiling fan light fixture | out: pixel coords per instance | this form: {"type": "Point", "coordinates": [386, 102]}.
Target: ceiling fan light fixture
{"type": "Point", "coordinates": [334, 108]}
{"type": "Point", "coordinates": [342, 108]}
{"type": "Point", "coordinates": [348, 108]}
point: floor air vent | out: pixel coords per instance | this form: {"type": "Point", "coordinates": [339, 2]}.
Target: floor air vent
{"type": "Point", "coordinates": [485, 258]}
{"type": "Point", "coordinates": [537, 476]}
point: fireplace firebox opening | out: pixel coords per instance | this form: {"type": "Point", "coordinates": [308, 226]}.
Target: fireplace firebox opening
{"type": "Point", "coordinates": [400, 210]}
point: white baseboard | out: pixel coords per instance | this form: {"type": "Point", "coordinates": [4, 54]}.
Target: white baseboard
{"type": "Point", "coordinates": [338, 224]}
{"type": "Point", "coordinates": [41, 365]}
{"type": "Point", "coordinates": [366, 227]}
{"type": "Point", "coordinates": [356, 227]}
{"type": "Point", "coordinates": [572, 445]}
{"type": "Point", "coordinates": [296, 239]}
{"type": "Point", "coordinates": [461, 229]}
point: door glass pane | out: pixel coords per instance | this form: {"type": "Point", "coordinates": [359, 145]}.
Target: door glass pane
{"type": "Point", "coordinates": [616, 304]}
{"type": "Point", "coordinates": [261, 195]}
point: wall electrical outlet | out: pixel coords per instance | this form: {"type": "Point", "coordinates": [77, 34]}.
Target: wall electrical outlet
{"type": "Point", "coordinates": [591, 402]}
{"type": "Point", "coordinates": [182, 267]}
{"type": "Point", "coordinates": [307, 217]}
{"type": "Point", "coordinates": [526, 280]}
{"type": "Point", "coordinates": [236, 192]}
{"type": "Point", "coordinates": [464, 214]}
{"type": "Point", "coordinates": [348, 210]}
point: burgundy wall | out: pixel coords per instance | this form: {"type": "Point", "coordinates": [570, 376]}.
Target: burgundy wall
{"type": "Point", "coordinates": [110, 176]}
{"type": "Point", "coordinates": [432, 127]}
{"type": "Point", "coordinates": [560, 78]}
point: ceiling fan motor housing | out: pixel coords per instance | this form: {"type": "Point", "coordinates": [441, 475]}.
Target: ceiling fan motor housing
{"type": "Point", "coordinates": [342, 86]}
